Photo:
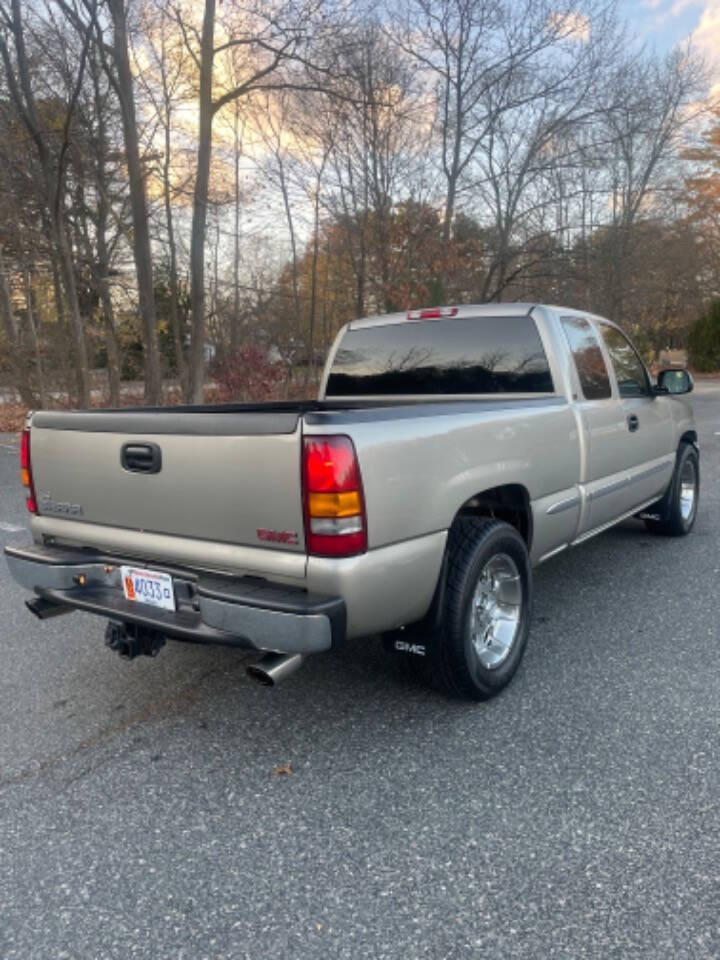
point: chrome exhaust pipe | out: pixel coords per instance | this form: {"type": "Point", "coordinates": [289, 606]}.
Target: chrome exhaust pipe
{"type": "Point", "coordinates": [274, 667]}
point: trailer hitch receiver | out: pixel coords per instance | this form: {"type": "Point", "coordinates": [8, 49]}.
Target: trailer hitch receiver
{"type": "Point", "coordinates": [131, 640]}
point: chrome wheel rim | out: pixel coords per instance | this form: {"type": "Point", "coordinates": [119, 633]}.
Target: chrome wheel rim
{"type": "Point", "coordinates": [688, 489]}
{"type": "Point", "coordinates": [496, 610]}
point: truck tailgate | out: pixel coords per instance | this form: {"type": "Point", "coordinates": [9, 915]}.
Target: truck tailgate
{"type": "Point", "coordinates": [225, 477]}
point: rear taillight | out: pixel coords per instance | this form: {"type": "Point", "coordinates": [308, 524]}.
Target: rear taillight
{"type": "Point", "coordinates": [26, 471]}
{"type": "Point", "coordinates": [335, 524]}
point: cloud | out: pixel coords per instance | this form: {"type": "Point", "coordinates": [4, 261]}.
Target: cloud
{"type": "Point", "coordinates": [571, 26]}
{"type": "Point", "coordinates": [706, 36]}
{"type": "Point", "coordinates": [664, 10]}
{"type": "Point", "coordinates": [681, 5]}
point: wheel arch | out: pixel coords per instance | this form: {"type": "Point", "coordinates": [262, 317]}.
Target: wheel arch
{"type": "Point", "coordinates": [509, 502]}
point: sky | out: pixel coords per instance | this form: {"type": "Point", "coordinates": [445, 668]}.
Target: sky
{"type": "Point", "coordinates": [664, 23]}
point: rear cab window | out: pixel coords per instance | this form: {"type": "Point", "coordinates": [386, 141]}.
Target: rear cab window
{"type": "Point", "coordinates": [589, 361]}
{"type": "Point", "coordinates": [465, 355]}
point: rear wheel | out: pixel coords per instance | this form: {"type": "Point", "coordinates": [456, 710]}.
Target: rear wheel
{"type": "Point", "coordinates": [486, 608]}
{"type": "Point", "coordinates": [678, 508]}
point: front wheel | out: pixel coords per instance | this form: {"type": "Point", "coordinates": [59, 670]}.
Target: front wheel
{"type": "Point", "coordinates": [486, 608]}
{"type": "Point", "coordinates": [678, 508]}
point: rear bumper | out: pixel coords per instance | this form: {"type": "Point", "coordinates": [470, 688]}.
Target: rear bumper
{"type": "Point", "coordinates": [237, 611]}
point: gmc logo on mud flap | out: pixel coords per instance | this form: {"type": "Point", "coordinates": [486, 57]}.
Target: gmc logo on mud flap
{"type": "Point", "coordinates": [403, 646]}
{"type": "Point", "coordinates": [277, 536]}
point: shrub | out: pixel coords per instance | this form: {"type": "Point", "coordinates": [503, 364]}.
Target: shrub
{"type": "Point", "coordinates": [704, 340]}
{"type": "Point", "coordinates": [249, 374]}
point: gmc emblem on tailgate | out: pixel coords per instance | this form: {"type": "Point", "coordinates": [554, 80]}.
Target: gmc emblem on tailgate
{"type": "Point", "coordinates": [277, 536]}
{"type": "Point", "coordinates": [54, 506]}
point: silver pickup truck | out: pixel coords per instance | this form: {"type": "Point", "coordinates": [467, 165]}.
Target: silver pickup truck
{"type": "Point", "coordinates": [450, 451]}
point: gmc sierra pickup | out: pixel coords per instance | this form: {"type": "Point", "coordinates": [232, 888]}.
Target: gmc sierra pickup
{"type": "Point", "coordinates": [450, 451]}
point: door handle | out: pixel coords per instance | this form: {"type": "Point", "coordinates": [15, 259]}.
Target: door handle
{"type": "Point", "coordinates": [141, 457]}
{"type": "Point", "coordinates": [633, 423]}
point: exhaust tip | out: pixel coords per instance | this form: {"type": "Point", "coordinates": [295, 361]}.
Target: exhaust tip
{"type": "Point", "coordinates": [256, 673]}
{"type": "Point", "coordinates": [43, 609]}
{"type": "Point", "coordinates": [274, 667]}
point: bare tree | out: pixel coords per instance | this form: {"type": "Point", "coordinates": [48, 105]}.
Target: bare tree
{"type": "Point", "coordinates": [122, 79]}
{"type": "Point", "coordinates": [271, 38]}
{"type": "Point", "coordinates": [273, 120]}
{"type": "Point", "coordinates": [52, 162]}
{"type": "Point", "coordinates": [655, 102]}
{"type": "Point", "coordinates": [91, 151]}
{"type": "Point", "coordinates": [376, 155]}
{"type": "Point", "coordinates": [473, 52]}
{"type": "Point", "coordinates": [167, 85]}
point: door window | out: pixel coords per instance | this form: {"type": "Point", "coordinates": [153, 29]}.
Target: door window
{"type": "Point", "coordinates": [630, 371]}
{"type": "Point", "coordinates": [588, 357]}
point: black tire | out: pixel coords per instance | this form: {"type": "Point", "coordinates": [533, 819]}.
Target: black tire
{"type": "Point", "coordinates": [675, 518]}
{"type": "Point", "coordinates": [455, 661]}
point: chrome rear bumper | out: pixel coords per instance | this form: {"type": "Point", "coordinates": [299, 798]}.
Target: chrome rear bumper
{"type": "Point", "coordinates": [237, 611]}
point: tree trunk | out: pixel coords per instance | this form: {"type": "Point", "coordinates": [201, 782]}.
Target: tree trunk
{"type": "Point", "coordinates": [315, 256]}
{"type": "Point", "coordinates": [142, 251]}
{"type": "Point", "coordinates": [449, 206]}
{"type": "Point", "coordinates": [111, 343]}
{"type": "Point", "coordinates": [19, 367]}
{"type": "Point", "coordinates": [77, 330]}
{"type": "Point", "coordinates": [172, 245]}
{"type": "Point", "coordinates": [100, 263]}
{"type": "Point", "coordinates": [30, 307]}
{"type": "Point", "coordinates": [173, 279]}
{"type": "Point", "coordinates": [196, 370]}
{"type": "Point", "coordinates": [313, 293]}
{"type": "Point", "coordinates": [235, 320]}
{"type": "Point", "coordinates": [293, 249]}
{"type": "Point", "coordinates": [68, 361]}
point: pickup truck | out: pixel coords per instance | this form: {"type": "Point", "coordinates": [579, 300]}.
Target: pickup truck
{"type": "Point", "coordinates": [451, 450]}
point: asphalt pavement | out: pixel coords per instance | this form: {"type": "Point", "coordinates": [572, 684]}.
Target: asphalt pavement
{"type": "Point", "coordinates": [171, 809]}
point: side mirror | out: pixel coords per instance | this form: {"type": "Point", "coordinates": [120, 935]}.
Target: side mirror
{"type": "Point", "coordinates": [674, 381]}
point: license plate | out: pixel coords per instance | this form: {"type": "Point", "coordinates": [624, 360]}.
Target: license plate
{"type": "Point", "coordinates": [148, 586]}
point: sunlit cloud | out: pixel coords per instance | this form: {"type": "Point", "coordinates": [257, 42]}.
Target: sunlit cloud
{"type": "Point", "coordinates": [571, 26]}
{"type": "Point", "coordinates": [706, 35]}
{"type": "Point", "coordinates": [681, 5]}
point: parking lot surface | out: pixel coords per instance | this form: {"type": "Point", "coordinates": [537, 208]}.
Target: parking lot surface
{"type": "Point", "coordinates": [171, 809]}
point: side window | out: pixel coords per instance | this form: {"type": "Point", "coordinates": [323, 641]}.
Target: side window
{"type": "Point", "coordinates": [590, 363]}
{"type": "Point", "coordinates": [629, 368]}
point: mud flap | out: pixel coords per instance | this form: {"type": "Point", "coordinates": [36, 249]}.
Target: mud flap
{"type": "Point", "coordinates": [419, 641]}
{"type": "Point", "coordinates": [661, 509]}
{"type": "Point", "coordinates": [408, 643]}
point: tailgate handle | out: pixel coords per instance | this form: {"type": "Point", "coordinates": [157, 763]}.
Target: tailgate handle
{"type": "Point", "coordinates": [141, 457]}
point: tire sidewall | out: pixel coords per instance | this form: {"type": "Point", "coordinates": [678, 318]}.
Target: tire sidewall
{"type": "Point", "coordinates": [686, 452]}
{"type": "Point", "coordinates": [483, 682]}
{"type": "Point", "coordinates": [670, 523]}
